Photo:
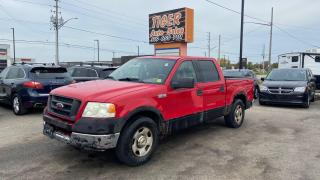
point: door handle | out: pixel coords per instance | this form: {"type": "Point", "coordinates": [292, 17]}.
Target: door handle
{"type": "Point", "coordinates": [199, 92]}
{"type": "Point", "coordinates": [221, 89]}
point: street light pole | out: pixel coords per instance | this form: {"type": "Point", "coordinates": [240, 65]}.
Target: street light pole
{"type": "Point", "coordinates": [98, 46]}
{"type": "Point", "coordinates": [56, 24]}
{"type": "Point", "coordinates": [14, 45]}
{"type": "Point", "coordinates": [241, 34]}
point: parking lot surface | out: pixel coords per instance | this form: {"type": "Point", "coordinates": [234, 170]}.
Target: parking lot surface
{"type": "Point", "coordinates": [273, 143]}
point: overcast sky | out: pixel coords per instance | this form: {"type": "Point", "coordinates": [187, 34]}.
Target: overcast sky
{"type": "Point", "coordinates": [297, 27]}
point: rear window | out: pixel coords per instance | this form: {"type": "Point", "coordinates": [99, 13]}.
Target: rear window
{"type": "Point", "coordinates": [208, 71]}
{"type": "Point", "coordinates": [45, 72]}
{"type": "Point", "coordinates": [83, 72]}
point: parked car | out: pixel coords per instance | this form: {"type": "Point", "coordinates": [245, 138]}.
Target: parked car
{"type": "Point", "coordinates": [244, 73]}
{"type": "Point", "coordinates": [81, 73]}
{"type": "Point", "coordinates": [288, 86]}
{"type": "Point", "coordinates": [26, 86]}
{"type": "Point", "coordinates": [144, 99]}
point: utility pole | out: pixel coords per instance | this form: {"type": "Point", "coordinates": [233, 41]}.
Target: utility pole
{"type": "Point", "coordinates": [209, 44]}
{"type": "Point", "coordinates": [270, 42]}
{"type": "Point", "coordinates": [14, 45]}
{"type": "Point", "coordinates": [57, 24]}
{"type": "Point", "coordinates": [219, 48]}
{"type": "Point", "coordinates": [263, 55]}
{"type": "Point", "coordinates": [98, 46]}
{"type": "Point", "coordinates": [138, 50]}
{"type": "Point", "coordinates": [241, 34]}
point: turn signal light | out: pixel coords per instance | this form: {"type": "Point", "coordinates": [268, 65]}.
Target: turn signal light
{"type": "Point", "coordinates": [33, 85]}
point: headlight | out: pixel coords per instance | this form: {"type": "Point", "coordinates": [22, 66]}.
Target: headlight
{"type": "Point", "coordinates": [300, 89]}
{"type": "Point", "coordinates": [263, 88]}
{"type": "Point", "coordinates": [99, 110]}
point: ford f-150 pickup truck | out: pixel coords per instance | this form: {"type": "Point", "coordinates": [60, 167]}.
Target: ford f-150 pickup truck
{"type": "Point", "coordinates": [146, 98]}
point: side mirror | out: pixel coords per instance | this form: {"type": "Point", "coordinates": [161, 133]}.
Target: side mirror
{"type": "Point", "coordinates": [182, 83]}
{"type": "Point", "coordinates": [262, 79]}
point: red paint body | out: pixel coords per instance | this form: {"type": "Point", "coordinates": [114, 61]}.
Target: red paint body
{"type": "Point", "coordinates": [128, 96]}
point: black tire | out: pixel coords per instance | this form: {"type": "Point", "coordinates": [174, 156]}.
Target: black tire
{"type": "Point", "coordinates": [262, 103]}
{"type": "Point", "coordinates": [256, 93]}
{"type": "Point", "coordinates": [127, 142]}
{"type": "Point", "coordinates": [313, 97]}
{"type": "Point", "coordinates": [231, 120]}
{"type": "Point", "coordinates": [17, 105]}
{"type": "Point", "coordinates": [307, 103]}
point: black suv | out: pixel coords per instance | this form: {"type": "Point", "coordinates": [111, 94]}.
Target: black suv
{"type": "Point", "coordinates": [26, 86]}
{"type": "Point", "coordinates": [243, 73]}
{"type": "Point", "coordinates": [81, 73]}
{"type": "Point", "coordinates": [288, 86]}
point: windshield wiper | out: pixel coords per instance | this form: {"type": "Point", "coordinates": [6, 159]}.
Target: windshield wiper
{"type": "Point", "coordinates": [130, 79]}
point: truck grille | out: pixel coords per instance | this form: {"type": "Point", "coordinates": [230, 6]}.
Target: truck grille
{"type": "Point", "coordinates": [65, 107]}
{"type": "Point", "coordinates": [280, 90]}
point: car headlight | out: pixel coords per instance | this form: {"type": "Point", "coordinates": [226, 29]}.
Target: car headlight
{"type": "Point", "coordinates": [300, 89]}
{"type": "Point", "coordinates": [263, 88]}
{"type": "Point", "coordinates": [99, 110]}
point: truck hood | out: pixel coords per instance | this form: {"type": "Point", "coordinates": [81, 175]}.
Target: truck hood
{"type": "Point", "coordinates": [288, 84]}
{"type": "Point", "coordinates": [99, 90]}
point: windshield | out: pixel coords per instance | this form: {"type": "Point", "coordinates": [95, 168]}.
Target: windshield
{"type": "Point", "coordinates": [233, 73]}
{"type": "Point", "coordinates": [287, 75]}
{"type": "Point", "coordinates": [153, 71]}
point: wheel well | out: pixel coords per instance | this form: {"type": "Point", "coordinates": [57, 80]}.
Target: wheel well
{"type": "Point", "coordinates": [242, 97]}
{"type": "Point", "coordinates": [146, 113]}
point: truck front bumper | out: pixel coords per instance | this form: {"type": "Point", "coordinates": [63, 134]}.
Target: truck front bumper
{"type": "Point", "coordinates": [82, 141]}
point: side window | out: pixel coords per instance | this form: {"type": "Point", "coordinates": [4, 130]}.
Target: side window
{"type": "Point", "coordinates": [79, 72]}
{"type": "Point", "coordinates": [12, 73]}
{"type": "Point", "coordinates": [208, 71]}
{"type": "Point", "coordinates": [295, 58]}
{"type": "Point", "coordinates": [20, 74]}
{"type": "Point", "coordinates": [91, 73]}
{"type": "Point", "coordinates": [185, 70]}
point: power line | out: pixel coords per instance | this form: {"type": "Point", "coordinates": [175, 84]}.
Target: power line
{"type": "Point", "coordinates": [107, 35]}
{"type": "Point", "coordinates": [65, 45]}
{"type": "Point", "coordinates": [35, 3]}
{"type": "Point", "coordinates": [234, 11]}
{"type": "Point", "coordinates": [296, 38]}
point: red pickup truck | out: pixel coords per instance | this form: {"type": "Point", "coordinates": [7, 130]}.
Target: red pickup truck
{"type": "Point", "coordinates": [145, 99]}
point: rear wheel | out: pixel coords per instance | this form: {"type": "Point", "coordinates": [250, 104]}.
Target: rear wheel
{"type": "Point", "coordinates": [17, 105]}
{"type": "Point", "coordinates": [137, 142]}
{"type": "Point", "coordinates": [235, 118]}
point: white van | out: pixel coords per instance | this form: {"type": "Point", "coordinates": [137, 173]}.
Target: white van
{"type": "Point", "coordinates": [302, 60]}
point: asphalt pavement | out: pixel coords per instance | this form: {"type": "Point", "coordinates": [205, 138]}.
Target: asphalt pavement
{"type": "Point", "coordinates": [273, 143]}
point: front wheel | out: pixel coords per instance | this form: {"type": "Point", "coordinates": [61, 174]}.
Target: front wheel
{"type": "Point", "coordinates": [235, 118]}
{"type": "Point", "coordinates": [307, 103]}
{"type": "Point", "coordinates": [137, 142]}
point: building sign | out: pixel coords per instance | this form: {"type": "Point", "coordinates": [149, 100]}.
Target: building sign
{"type": "Point", "coordinates": [171, 26]}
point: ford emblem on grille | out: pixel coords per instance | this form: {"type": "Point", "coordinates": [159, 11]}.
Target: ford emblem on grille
{"type": "Point", "coordinates": [59, 106]}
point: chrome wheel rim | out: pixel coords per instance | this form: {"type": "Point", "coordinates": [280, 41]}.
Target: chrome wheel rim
{"type": "Point", "coordinates": [238, 114]}
{"type": "Point", "coordinates": [16, 104]}
{"type": "Point", "coordinates": [142, 142]}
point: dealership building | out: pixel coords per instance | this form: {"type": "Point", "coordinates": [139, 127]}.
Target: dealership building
{"type": "Point", "coordinates": [6, 60]}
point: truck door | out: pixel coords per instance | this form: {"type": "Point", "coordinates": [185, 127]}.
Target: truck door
{"type": "Point", "coordinates": [184, 103]}
{"type": "Point", "coordinates": [212, 88]}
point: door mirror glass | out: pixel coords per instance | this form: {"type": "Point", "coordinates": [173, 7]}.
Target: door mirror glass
{"type": "Point", "coordinates": [262, 79]}
{"type": "Point", "coordinates": [182, 83]}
